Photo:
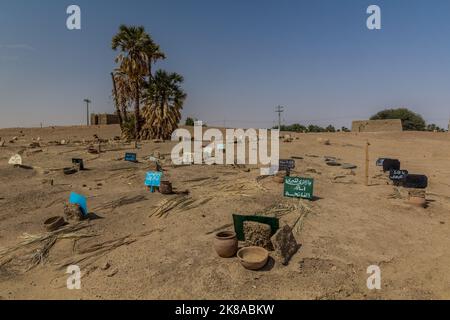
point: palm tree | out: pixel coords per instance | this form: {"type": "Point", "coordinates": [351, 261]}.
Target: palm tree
{"type": "Point", "coordinates": [135, 46]}
{"type": "Point", "coordinates": [164, 100]}
{"type": "Point", "coordinates": [123, 91]}
{"type": "Point", "coordinates": [154, 54]}
{"type": "Point", "coordinates": [124, 97]}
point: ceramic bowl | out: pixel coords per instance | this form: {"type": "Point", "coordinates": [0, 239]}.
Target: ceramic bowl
{"type": "Point", "coordinates": [253, 258]}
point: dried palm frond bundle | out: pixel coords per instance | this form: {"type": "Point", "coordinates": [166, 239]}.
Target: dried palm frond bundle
{"type": "Point", "coordinates": [280, 209]}
{"type": "Point", "coordinates": [35, 249]}
{"type": "Point", "coordinates": [241, 187]}
{"type": "Point", "coordinates": [288, 206]}
{"type": "Point", "coordinates": [92, 253]}
{"type": "Point", "coordinates": [123, 201]}
{"type": "Point", "coordinates": [177, 204]}
{"type": "Point", "coordinates": [88, 255]}
{"type": "Point", "coordinates": [304, 211]}
{"type": "Point", "coordinates": [200, 179]}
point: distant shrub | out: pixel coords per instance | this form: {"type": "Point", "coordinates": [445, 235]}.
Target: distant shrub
{"type": "Point", "coordinates": [311, 128]}
{"type": "Point", "coordinates": [293, 128]}
{"type": "Point", "coordinates": [314, 128]}
{"type": "Point", "coordinates": [434, 128]}
{"type": "Point", "coordinates": [190, 122]}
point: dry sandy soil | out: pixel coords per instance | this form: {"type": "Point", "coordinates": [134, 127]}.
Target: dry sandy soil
{"type": "Point", "coordinates": [346, 229]}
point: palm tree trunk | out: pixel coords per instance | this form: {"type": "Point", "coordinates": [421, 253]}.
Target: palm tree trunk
{"type": "Point", "coordinates": [150, 76]}
{"type": "Point", "coordinates": [137, 117]}
{"type": "Point", "coordinates": [116, 100]}
{"type": "Point", "coordinates": [124, 112]}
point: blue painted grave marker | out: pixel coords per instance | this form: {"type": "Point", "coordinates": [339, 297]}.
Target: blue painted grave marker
{"type": "Point", "coordinates": [131, 157]}
{"type": "Point", "coordinates": [79, 200]}
{"type": "Point", "coordinates": [153, 179]}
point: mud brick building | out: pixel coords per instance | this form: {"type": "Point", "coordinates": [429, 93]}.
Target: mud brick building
{"type": "Point", "coordinates": [103, 118]}
{"type": "Point", "coordinates": [394, 125]}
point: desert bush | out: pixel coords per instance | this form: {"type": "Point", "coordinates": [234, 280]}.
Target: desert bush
{"type": "Point", "coordinates": [189, 122]}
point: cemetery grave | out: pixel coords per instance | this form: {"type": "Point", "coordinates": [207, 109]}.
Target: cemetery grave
{"type": "Point", "coordinates": [122, 234]}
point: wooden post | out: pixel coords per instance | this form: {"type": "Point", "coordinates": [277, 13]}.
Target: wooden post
{"type": "Point", "coordinates": [367, 163]}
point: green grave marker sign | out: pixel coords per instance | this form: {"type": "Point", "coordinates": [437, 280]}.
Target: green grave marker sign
{"type": "Point", "coordinates": [297, 187]}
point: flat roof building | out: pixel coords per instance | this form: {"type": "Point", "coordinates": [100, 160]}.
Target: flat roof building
{"type": "Point", "coordinates": [377, 125]}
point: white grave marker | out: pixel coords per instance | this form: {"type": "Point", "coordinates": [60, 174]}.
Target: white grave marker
{"type": "Point", "coordinates": [15, 160]}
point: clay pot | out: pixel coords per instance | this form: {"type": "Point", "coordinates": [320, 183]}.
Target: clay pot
{"type": "Point", "coordinates": [418, 201]}
{"type": "Point", "coordinates": [417, 198]}
{"type": "Point", "coordinates": [54, 223]}
{"type": "Point", "coordinates": [71, 170]}
{"type": "Point", "coordinates": [253, 258]}
{"type": "Point", "coordinates": [165, 187]}
{"type": "Point", "coordinates": [226, 244]}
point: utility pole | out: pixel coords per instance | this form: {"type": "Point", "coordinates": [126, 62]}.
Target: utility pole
{"type": "Point", "coordinates": [279, 110]}
{"type": "Point", "coordinates": [87, 110]}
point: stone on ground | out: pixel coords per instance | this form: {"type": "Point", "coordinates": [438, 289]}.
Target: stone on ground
{"type": "Point", "coordinates": [73, 212]}
{"type": "Point", "coordinates": [285, 245]}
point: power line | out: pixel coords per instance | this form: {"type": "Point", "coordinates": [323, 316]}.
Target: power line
{"type": "Point", "coordinates": [279, 110]}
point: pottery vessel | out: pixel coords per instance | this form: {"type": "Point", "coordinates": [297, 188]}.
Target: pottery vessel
{"type": "Point", "coordinates": [165, 187]}
{"type": "Point", "coordinates": [417, 201]}
{"type": "Point", "coordinates": [226, 244]}
{"type": "Point", "coordinates": [253, 258]}
{"type": "Point", "coordinates": [54, 223]}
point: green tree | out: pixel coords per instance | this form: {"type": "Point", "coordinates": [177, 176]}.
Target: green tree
{"type": "Point", "coordinates": [314, 128]}
{"type": "Point", "coordinates": [189, 122]}
{"type": "Point", "coordinates": [296, 127]}
{"type": "Point", "coordinates": [164, 100]}
{"type": "Point", "coordinates": [154, 54]}
{"type": "Point", "coordinates": [434, 128]}
{"type": "Point", "coordinates": [410, 121]}
{"type": "Point", "coordinates": [135, 48]}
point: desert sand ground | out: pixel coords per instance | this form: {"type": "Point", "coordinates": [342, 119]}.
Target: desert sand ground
{"type": "Point", "coordinates": [348, 228]}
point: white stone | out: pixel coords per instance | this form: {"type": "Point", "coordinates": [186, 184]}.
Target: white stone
{"type": "Point", "coordinates": [15, 160]}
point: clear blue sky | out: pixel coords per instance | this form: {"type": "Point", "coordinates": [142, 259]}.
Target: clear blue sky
{"type": "Point", "coordinates": [240, 59]}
